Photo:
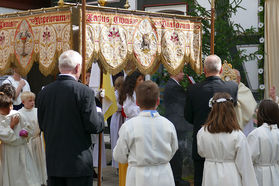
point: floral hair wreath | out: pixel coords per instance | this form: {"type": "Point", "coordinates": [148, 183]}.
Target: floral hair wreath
{"type": "Point", "coordinates": [219, 100]}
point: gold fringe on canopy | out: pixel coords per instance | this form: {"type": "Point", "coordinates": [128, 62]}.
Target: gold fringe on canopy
{"type": "Point", "coordinates": [29, 37]}
{"type": "Point", "coordinates": [148, 40]}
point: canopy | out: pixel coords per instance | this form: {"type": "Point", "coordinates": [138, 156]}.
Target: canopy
{"type": "Point", "coordinates": [117, 38]}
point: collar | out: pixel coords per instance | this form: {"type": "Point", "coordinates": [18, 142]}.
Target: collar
{"type": "Point", "coordinates": [213, 78]}
{"type": "Point", "coordinates": [176, 81]}
{"type": "Point", "coordinates": [148, 113]}
{"type": "Point", "coordinates": [272, 126]}
{"type": "Point", "coordinates": [62, 76]}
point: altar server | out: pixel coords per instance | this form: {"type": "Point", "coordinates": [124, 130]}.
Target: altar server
{"type": "Point", "coordinates": [17, 164]}
{"type": "Point", "coordinates": [264, 144]}
{"type": "Point", "coordinates": [224, 147]}
{"type": "Point", "coordinates": [147, 142]}
{"type": "Point", "coordinates": [29, 113]}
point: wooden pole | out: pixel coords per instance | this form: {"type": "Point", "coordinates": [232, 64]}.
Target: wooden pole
{"type": "Point", "coordinates": [212, 27]}
{"type": "Point", "coordinates": [83, 73]}
{"type": "Point", "coordinates": [100, 138]}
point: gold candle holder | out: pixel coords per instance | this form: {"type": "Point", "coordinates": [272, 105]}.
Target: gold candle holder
{"type": "Point", "coordinates": [127, 5]}
{"type": "Point", "coordinates": [102, 2]}
{"type": "Point", "coordinates": [60, 3]}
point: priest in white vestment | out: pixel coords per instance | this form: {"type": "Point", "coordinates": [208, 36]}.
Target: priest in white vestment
{"type": "Point", "coordinates": [147, 142]}
{"type": "Point", "coordinates": [246, 103]}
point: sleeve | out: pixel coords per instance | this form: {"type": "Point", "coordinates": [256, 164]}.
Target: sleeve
{"type": "Point", "coordinates": [8, 136]}
{"type": "Point", "coordinates": [200, 142]}
{"type": "Point", "coordinates": [130, 108]}
{"type": "Point", "coordinates": [254, 147]}
{"type": "Point", "coordinates": [27, 86]}
{"type": "Point", "coordinates": [174, 143]}
{"type": "Point", "coordinates": [188, 112]}
{"type": "Point", "coordinates": [121, 150]}
{"type": "Point", "coordinates": [92, 120]}
{"type": "Point", "coordinates": [243, 162]}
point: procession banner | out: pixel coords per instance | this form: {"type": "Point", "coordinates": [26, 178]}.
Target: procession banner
{"type": "Point", "coordinates": [41, 37]}
{"type": "Point", "coordinates": [117, 39]}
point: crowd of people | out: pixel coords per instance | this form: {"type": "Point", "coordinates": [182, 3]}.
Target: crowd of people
{"type": "Point", "coordinates": [52, 144]}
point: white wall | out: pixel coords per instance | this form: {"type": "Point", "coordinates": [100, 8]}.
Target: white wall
{"type": "Point", "coordinates": [7, 10]}
{"type": "Point", "coordinates": [246, 18]}
{"type": "Point", "coordinates": [133, 4]}
{"type": "Point", "coordinates": [181, 8]}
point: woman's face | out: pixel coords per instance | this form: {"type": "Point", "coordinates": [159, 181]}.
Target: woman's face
{"type": "Point", "coordinates": [140, 79]}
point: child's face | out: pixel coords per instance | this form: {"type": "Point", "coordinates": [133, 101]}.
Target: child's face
{"type": "Point", "coordinates": [28, 103]}
{"type": "Point", "coordinates": [140, 79]}
{"type": "Point", "coordinates": [6, 111]}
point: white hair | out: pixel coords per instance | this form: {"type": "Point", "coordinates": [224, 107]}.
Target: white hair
{"type": "Point", "coordinates": [212, 64]}
{"type": "Point", "coordinates": [68, 60]}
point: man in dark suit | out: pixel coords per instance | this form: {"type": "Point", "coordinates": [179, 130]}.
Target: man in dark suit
{"type": "Point", "coordinates": [67, 115]}
{"type": "Point", "coordinates": [197, 104]}
{"type": "Point", "coordinates": [174, 99]}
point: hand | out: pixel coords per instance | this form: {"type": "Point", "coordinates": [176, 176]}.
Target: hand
{"type": "Point", "coordinates": [14, 121]}
{"type": "Point", "coordinates": [102, 93]}
{"type": "Point", "coordinates": [272, 93]}
{"type": "Point", "coordinates": [21, 83]}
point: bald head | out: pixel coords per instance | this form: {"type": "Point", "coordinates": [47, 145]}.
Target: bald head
{"type": "Point", "coordinates": [212, 65]}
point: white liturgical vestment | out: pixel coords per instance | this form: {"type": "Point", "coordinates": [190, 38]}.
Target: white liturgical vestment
{"type": "Point", "coordinates": [147, 142]}
{"type": "Point", "coordinates": [17, 164]}
{"type": "Point", "coordinates": [227, 159]}
{"type": "Point", "coordinates": [264, 149]}
{"type": "Point", "coordinates": [35, 144]}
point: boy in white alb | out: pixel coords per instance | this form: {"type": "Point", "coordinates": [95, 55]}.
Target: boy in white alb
{"type": "Point", "coordinates": [147, 142]}
{"type": "Point", "coordinates": [17, 164]}
{"type": "Point", "coordinates": [35, 144]}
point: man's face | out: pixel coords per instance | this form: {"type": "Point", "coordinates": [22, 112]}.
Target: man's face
{"type": "Point", "coordinates": [78, 71]}
{"type": "Point", "coordinates": [180, 76]}
{"type": "Point", "coordinates": [29, 103]}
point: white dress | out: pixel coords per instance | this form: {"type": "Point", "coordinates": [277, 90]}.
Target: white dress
{"type": "Point", "coordinates": [17, 164]}
{"type": "Point", "coordinates": [227, 159]}
{"type": "Point", "coordinates": [147, 142]}
{"type": "Point", "coordinates": [35, 144]}
{"type": "Point", "coordinates": [130, 107]}
{"type": "Point", "coordinates": [96, 151]}
{"type": "Point", "coordinates": [264, 149]}
{"type": "Point", "coordinates": [116, 121]}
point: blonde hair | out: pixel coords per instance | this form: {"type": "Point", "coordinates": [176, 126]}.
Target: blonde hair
{"type": "Point", "coordinates": [27, 94]}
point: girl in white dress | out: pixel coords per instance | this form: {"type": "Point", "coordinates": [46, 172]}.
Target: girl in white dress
{"type": "Point", "coordinates": [17, 164]}
{"type": "Point", "coordinates": [264, 144]}
{"type": "Point", "coordinates": [130, 109]}
{"type": "Point", "coordinates": [224, 147]}
{"type": "Point", "coordinates": [116, 120]}
{"type": "Point", "coordinates": [35, 144]}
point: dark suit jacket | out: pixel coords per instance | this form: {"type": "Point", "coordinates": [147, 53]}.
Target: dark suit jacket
{"type": "Point", "coordinates": [174, 100]}
{"type": "Point", "coordinates": [67, 115]}
{"type": "Point", "coordinates": [197, 107]}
